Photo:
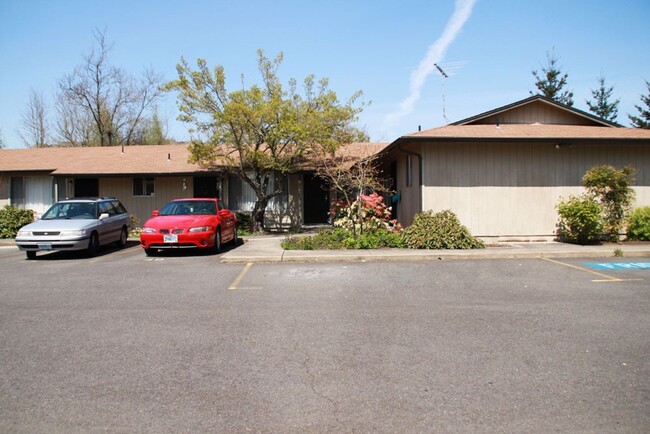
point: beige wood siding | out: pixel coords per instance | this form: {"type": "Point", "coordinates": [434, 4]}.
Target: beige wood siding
{"type": "Point", "coordinates": [536, 112]}
{"type": "Point", "coordinates": [165, 189]}
{"type": "Point", "coordinates": [409, 202]}
{"type": "Point", "coordinates": [500, 189]}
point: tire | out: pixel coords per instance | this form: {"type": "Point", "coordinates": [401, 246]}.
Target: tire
{"type": "Point", "coordinates": [93, 245]}
{"type": "Point", "coordinates": [30, 254]}
{"type": "Point", "coordinates": [217, 241]}
{"type": "Point", "coordinates": [124, 236]}
{"type": "Point", "coordinates": [150, 252]}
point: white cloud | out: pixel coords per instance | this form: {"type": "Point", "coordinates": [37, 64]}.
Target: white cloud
{"type": "Point", "coordinates": [434, 55]}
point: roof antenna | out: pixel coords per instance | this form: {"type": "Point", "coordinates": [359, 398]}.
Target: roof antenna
{"type": "Point", "coordinates": [444, 75]}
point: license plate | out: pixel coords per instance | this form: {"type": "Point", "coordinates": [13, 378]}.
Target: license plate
{"type": "Point", "coordinates": [45, 246]}
{"type": "Point", "coordinates": [170, 238]}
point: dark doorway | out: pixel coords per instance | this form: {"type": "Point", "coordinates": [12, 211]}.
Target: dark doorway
{"type": "Point", "coordinates": [206, 186]}
{"type": "Point", "coordinates": [86, 187]}
{"type": "Point", "coordinates": [317, 200]}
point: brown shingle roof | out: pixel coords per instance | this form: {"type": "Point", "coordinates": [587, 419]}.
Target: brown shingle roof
{"type": "Point", "coordinates": [99, 160]}
{"type": "Point", "coordinates": [531, 132]}
{"type": "Point", "coordinates": [156, 159]}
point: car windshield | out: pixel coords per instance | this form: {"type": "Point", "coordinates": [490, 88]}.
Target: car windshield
{"type": "Point", "coordinates": [189, 207]}
{"type": "Point", "coordinates": [71, 210]}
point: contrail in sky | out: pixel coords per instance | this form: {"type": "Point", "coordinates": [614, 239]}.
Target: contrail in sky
{"type": "Point", "coordinates": [435, 54]}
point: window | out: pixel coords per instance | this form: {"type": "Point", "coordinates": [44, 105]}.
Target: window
{"type": "Point", "coordinates": [143, 186]}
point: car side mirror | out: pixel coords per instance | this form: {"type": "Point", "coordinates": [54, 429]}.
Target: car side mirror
{"type": "Point", "coordinates": [103, 216]}
{"type": "Point", "coordinates": [155, 213]}
{"type": "Point", "coordinates": [224, 213]}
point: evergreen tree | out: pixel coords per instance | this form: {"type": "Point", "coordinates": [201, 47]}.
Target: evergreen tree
{"type": "Point", "coordinates": [643, 120]}
{"type": "Point", "coordinates": [601, 105]}
{"type": "Point", "coordinates": [551, 82]}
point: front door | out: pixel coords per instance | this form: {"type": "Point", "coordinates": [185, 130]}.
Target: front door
{"type": "Point", "coordinates": [86, 187]}
{"type": "Point", "coordinates": [317, 200]}
{"type": "Point", "coordinates": [206, 186]}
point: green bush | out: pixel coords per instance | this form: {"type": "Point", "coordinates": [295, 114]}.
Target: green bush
{"type": "Point", "coordinates": [342, 238]}
{"type": "Point", "coordinates": [439, 231]}
{"type": "Point", "coordinates": [639, 224]}
{"type": "Point", "coordinates": [244, 222]}
{"type": "Point", "coordinates": [12, 219]}
{"type": "Point", "coordinates": [613, 189]}
{"type": "Point", "coordinates": [580, 220]}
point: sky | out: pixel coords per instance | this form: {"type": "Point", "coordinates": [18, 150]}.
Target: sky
{"type": "Point", "coordinates": [386, 49]}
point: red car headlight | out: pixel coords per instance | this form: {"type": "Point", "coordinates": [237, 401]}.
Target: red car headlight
{"type": "Point", "coordinates": [201, 229]}
{"type": "Point", "coordinates": [148, 231]}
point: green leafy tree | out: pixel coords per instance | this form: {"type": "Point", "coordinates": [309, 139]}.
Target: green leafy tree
{"type": "Point", "coordinates": [551, 82]}
{"type": "Point", "coordinates": [643, 120]}
{"type": "Point", "coordinates": [601, 105]}
{"type": "Point", "coordinates": [613, 189]}
{"type": "Point", "coordinates": [261, 129]}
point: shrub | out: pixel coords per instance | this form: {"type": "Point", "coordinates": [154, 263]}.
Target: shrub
{"type": "Point", "coordinates": [366, 214]}
{"type": "Point", "coordinates": [341, 238]}
{"type": "Point", "coordinates": [12, 219]}
{"type": "Point", "coordinates": [439, 231]}
{"type": "Point", "coordinates": [612, 188]}
{"type": "Point", "coordinates": [580, 220]}
{"type": "Point", "coordinates": [244, 222]}
{"type": "Point", "coordinates": [639, 226]}
{"type": "Point", "coordinates": [136, 229]}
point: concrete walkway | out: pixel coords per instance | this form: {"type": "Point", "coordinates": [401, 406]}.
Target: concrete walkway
{"type": "Point", "coordinates": [268, 249]}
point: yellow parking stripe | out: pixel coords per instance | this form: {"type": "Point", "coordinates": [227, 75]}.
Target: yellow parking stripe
{"type": "Point", "coordinates": [241, 275]}
{"type": "Point", "coordinates": [605, 277]}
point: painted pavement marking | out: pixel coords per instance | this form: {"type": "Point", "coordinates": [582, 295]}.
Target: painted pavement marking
{"type": "Point", "coordinates": [618, 265]}
{"type": "Point", "coordinates": [238, 279]}
{"type": "Point", "coordinates": [604, 277]}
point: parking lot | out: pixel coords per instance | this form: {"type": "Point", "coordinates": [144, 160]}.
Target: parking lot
{"type": "Point", "coordinates": [181, 342]}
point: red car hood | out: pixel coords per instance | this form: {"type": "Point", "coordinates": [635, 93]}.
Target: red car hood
{"type": "Point", "coordinates": [180, 221]}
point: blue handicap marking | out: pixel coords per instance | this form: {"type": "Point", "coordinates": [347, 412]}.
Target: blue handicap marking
{"type": "Point", "coordinates": [618, 265]}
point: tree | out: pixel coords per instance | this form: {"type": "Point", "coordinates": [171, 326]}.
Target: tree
{"type": "Point", "coordinates": [99, 104]}
{"type": "Point", "coordinates": [601, 105]}
{"type": "Point", "coordinates": [262, 129]}
{"type": "Point", "coordinates": [612, 188]}
{"type": "Point", "coordinates": [2, 140]}
{"type": "Point", "coordinates": [350, 175]}
{"type": "Point", "coordinates": [551, 82]}
{"type": "Point", "coordinates": [35, 127]}
{"type": "Point", "coordinates": [643, 120]}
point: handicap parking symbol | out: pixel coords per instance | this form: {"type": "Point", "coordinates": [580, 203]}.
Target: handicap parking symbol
{"type": "Point", "coordinates": [618, 265]}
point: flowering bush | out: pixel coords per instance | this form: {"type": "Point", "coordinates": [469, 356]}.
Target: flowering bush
{"type": "Point", "coordinates": [366, 214]}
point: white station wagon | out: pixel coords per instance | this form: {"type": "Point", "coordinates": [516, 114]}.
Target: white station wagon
{"type": "Point", "coordinates": [76, 224]}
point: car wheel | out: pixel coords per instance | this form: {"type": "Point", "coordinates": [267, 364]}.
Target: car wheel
{"type": "Point", "coordinates": [217, 241]}
{"type": "Point", "coordinates": [150, 252]}
{"type": "Point", "coordinates": [124, 236]}
{"type": "Point", "coordinates": [30, 254]}
{"type": "Point", "coordinates": [93, 244]}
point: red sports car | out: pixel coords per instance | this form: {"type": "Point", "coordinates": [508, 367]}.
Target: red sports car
{"type": "Point", "coordinates": [189, 223]}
